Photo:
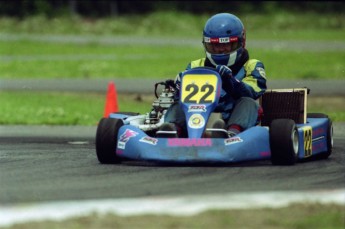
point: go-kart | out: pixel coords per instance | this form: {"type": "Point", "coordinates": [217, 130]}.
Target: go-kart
{"type": "Point", "coordinates": [285, 135]}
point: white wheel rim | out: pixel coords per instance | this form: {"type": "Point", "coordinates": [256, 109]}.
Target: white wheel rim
{"type": "Point", "coordinates": [295, 142]}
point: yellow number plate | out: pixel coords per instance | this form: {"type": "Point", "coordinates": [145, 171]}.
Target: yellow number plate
{"type": "Point", "coordinates": [199, 88]}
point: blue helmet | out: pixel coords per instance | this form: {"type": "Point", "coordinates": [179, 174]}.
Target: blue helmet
{"type": "Point", "coordinates": [224, 39]}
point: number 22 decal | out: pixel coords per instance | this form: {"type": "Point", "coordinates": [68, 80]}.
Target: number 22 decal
{"type": "Point", "coordinates": [308, 141]}
{"type": "Point", "coordinates": [194, 89]}
{"type": "Point", "coordinates": [199, 88]}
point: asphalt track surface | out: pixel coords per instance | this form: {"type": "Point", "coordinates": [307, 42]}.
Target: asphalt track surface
{"type": "Point", "coordinates": [59, 163]}
{"type": "Point", "coordinates": [146, 86]}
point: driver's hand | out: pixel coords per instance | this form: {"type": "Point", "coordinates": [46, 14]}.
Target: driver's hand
{"type": "Point", "coordinates": [224, 71]}
{"type": "Point", "coordinates": [228, 81]}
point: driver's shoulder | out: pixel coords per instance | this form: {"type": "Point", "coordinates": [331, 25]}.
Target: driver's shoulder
{"type": "Point", "coordinates": [251, 64]}
{"type": "Point", "coordinates": [197, 63]}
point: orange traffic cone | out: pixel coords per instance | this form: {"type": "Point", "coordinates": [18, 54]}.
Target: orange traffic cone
{"type": "Point", "coordinates": [111, 100]}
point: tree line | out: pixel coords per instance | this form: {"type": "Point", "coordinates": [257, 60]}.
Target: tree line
{"type": "Point", "coordinates": [108, 8]}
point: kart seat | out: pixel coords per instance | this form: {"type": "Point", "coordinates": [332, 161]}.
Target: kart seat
{"type": "Point", "coordinates": [284, 103]}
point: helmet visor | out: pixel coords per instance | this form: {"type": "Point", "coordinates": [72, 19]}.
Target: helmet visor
{"type": "Point", "coordinates": [223, 45]}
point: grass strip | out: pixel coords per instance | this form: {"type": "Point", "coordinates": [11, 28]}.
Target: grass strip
{"type": "Point", "coordinates": [301, 216]}
{"type": "Point", "coordinates": [58, 49]}
{"type": "Point", "coordinates": [37, 59]}
{"type": "Point", "coordinates": [280, 25]}
{"type": "Point", "coordinates": [56, 108]}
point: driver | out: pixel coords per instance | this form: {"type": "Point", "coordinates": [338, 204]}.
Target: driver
{"type": "Point", "coordinates": [243, 79]}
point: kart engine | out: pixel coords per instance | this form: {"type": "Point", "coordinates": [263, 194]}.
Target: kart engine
{"type": "Point", "coordinates": [162, 103]}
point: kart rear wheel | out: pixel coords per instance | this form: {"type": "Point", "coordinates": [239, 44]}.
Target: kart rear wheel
{"type": "Point", "coordinates": [326, 154]}
{"type": "Point", "coordinates": [284, 142]}
{"type": "Point", "coordinates": [106, 140]}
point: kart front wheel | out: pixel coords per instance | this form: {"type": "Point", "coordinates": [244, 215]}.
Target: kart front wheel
{"type": "Point", "coordinates": [284, 142]}
{"type": "Point", "coordinates": [106, 140]}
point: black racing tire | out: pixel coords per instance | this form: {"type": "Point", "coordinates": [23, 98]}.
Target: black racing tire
{"type": "Point", "coordinates": [284, 143]}
{"type": "Point", "coordinates": [106, 140]}
{"type": "Point", "coordinates": [328, 153]}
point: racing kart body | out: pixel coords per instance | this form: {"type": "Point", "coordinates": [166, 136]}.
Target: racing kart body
{"type": "Point", "coordinates": [281, 138]}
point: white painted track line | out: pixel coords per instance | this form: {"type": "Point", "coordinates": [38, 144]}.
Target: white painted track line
{"type": "Point", "coordinates": [181, 206]}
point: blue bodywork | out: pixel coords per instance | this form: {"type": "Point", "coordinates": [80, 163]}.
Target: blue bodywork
{"type": "Point", "coordinates": [135, 144]}
{"type": "Point", "coordinates": [250, 145]}
{"type": "Point", "coordinates": [318, 140]}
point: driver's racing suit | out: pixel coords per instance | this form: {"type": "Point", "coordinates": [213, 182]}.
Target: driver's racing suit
{"type": "Point", "coordinates": [240, 106]}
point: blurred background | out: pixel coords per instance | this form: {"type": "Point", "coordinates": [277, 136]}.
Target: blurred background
{"type": "Point", "coordinates": [48, 45]}
{"type": "Point", "coordinates": [113, 8]}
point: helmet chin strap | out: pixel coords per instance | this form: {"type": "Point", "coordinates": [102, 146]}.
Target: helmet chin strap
{"type": "Point", "coordinates": [209, 56]}
{"type": "Point", "coordinates": [231, 59]}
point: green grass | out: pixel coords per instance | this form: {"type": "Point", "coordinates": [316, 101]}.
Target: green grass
{"type": "Point", "coordinates": [53, 108]}
{"type": "Point", "coordinates": [34, 55]}
{"type": "Point", "coordinates": [49, 108]}
{"type": "Point", "coordinates": [39, 60]}
{"type": "Point", "coordinates": [30, 59]}
{"type": "Point", "coordinates": [279, 25]}
{"type": "Point", "coordinates": [301, 65]}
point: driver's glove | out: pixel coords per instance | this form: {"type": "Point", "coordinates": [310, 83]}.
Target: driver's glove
{"type": "Point", "coordinates": [228, 81]}
{"type": "Point", "coordinates": [224, 71]}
